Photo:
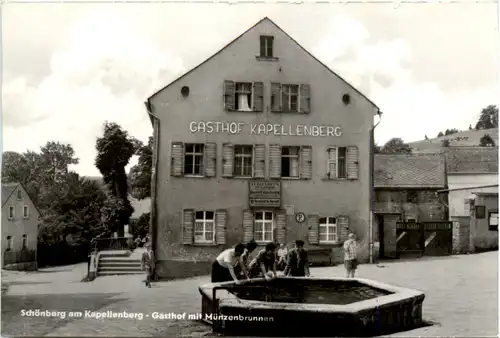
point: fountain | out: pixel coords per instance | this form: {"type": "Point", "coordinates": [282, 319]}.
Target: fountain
{"type": "Point", "coordinates": [296, 306]}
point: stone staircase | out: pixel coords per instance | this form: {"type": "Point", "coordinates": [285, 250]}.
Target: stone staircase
{"type": "Point", "coordinates": [119, 262]}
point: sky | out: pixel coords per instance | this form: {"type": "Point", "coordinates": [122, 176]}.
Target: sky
{"type": "Point", "coordinates": [68, 68]}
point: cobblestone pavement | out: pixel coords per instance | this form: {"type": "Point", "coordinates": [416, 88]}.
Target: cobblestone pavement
{"type": "Point", "coordinates": [461, 298]}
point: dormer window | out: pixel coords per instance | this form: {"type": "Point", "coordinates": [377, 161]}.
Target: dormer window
{"type": "Point", "coordinates": [243, 99]}
{"type": "Point", "coordinates": [266, 46]}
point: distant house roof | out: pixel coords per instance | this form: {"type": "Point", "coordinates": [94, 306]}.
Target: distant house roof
{"type": "Point", "coordinates": [241, 35]}
{"type": "Point", "coordinates": [472, 160]}
{"type": "Point", "coordinates": [7, 190]}
{"type": "Point", "coordinates": [409, 171]}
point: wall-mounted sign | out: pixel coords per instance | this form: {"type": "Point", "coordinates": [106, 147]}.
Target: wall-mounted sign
{"type": "Point", "coordinates": [236, 128]}
{"type": "Point", "coordinates": [300, 217]}
{"type": "Point", "coordinates": [264, 194]}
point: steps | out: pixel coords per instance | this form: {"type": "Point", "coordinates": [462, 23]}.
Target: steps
{"type": "Point", "coordinates": [120, 262]}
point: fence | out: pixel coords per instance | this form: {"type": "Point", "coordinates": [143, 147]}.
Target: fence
{"type": "Point", "coordinates": [120, 243]}
{"type": "Point", "coordinates": [23, 256]}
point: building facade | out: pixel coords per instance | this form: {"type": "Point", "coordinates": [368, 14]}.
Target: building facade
{"type": "Point", "coordinates": [406, 190]}
{"type": "Point", "coordinates": [469, 169]}
{"type": "Point", "coordinates": [261, 141]}
{"type": "Point", "coordinates": [19, 224]}
{"type": "Point", "coordinates": [484, 222]}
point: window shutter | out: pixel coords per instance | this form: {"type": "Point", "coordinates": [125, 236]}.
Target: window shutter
{"type": "Point", "coordinates": [343, 227]}
{"type": "Point", "coordinates": [229, 95]}
{"type": "Point", "coordinates": [220, 226]}
{"type": "Point", "coordinates": [177, 156]}
{"type": "Point", "coordinates": [210, 157]}
{"type": "Point", "coordinates": [332, 163]}
{"type": "Point", "coordinates": [306, 162]}
{"type": "Point", "coordinates": [227, 160]}
{"type": "Point", "coordinates": [259, 161]}
{"type": "Point", "coordinates": [187, 226]}
{"type": "Point", "coordinates": [313, 229]}
{"type": "Point", "coordinates": [280, 232]}
{"type": "Point", "coordinates": [274, 161]}
{"type": "Point", "coordinates": [305, 98]}
{"type": "Point", "coordinates": [352, 163]}
{"type": "Point", "coordinates": [258, 96]}
{"type": "Point", "coordinates": [285, 101]}
{"type": "Point", "coordinates": [275, 97]}
{"type": "Point", "coordinates": [247, 226]}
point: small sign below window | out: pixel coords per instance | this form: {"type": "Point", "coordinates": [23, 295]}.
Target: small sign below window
{"type": "Point", "coordinates": [480, 211]}
{"type": "Point", "coordinates": [493, 221]}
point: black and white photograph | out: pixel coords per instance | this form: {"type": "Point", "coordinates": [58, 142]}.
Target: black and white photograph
{"type": "Point", "coordinates": [281, 169]}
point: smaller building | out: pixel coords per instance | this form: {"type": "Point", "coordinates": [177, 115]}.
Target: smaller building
{"type": "Point", "coordinates": [484, 222]}
{"type": "Point", "coordinates": [19, 226]}
{"type": "Point", "coordinates": [405, 189]}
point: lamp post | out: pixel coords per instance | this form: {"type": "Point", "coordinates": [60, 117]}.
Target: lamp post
{"type": "Point", "coordinates": [372, 187]}
{"type": "Point", "coordinates": [472, 220]}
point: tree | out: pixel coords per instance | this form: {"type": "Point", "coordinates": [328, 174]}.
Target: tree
{"type": "Point", "coordinates": [396, 145]}
{"type": "Point", "coordinates": [451, 131]}
{"type": "Point", "coordinates": [140, 227]}
{"type": "Point", "coordinates": [114, 151]}
{"type": "Point", "coordinates": [440, 134]}
{"type": "Point", "coordinates": [486, 141]}
{"type": "Point", "coordinates": [426, 137]}
{"type": "Point", "coordinates": [445, 143]}
{"type": "Point", "coordinates": [470, 126]}
{"type": "Point", "coordinates": [140, 174]}
{"type": "Point", "coordinates": [488, 118]}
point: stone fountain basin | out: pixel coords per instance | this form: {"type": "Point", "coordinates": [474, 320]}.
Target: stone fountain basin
{"type": "Point", "coordinates": [299, 306]}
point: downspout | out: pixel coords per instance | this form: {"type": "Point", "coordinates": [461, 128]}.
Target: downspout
{"type": "Point", "coordinates": [155, 121]}
{"type": "Point", "coordinates": [372, 186]}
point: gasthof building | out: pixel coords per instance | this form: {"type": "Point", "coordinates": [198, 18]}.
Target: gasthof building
{"type": "Point", "coordinates": [261, 141]}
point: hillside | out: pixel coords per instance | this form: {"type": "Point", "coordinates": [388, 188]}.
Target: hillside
{"type": "Point", "coordinates": [468, 138]}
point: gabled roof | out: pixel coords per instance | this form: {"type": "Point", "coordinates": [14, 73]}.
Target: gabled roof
{"type": "Point", "coordinates": [241, 35]}
{"type": "Point", "coordinates": [471, 160]}
{"type": "Point", "coordinates": [7, 190]}
{"type": "Point", "coordinates": [409, 171]}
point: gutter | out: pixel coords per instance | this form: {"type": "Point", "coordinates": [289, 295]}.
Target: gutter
{"type": "Point", "coordinates": [467, 188]}
{"type": "Point", "coordinates": [372, 185]}
{"type": "Point", "coordinates": [155, 121]}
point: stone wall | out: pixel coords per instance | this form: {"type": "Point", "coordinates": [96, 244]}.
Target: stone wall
{"type": "Point", "coordinates": [461, 234]}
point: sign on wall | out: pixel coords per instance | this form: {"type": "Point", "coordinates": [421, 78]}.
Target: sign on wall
{"type": "Point", "coordinates": [237, 128]}
{"type": "Point", "coordinates": [300, 217]}
{"type": "Point", "coordinates": [264, 194]}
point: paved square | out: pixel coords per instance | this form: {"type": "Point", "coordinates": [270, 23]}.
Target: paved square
{"type": "Point", "coordinates": [461, 298]}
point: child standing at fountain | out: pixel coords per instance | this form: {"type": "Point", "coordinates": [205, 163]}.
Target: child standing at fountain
{"type": "Point", "coordinates": [297, 264]}
{"type": "Point", "coordinates": [350, 256]}
{"type": "Point", "coordinates": [243, 271]}
{"type": "Point", "coordinates": [264, 263]}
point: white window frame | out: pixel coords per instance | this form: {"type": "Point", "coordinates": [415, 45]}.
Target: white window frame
{"type": "Point", "coordinates": [289, 85]}
{"type": "Point", "coordinates": [236, 94]}
{"type": "Point", "coordinates": [24, 241]}
{"type": "Point", "coordinates": [240, 157]}
{"type": "Point", "coordinates": [260, 225]}
{"type": "Point", "coordinates": [26, 211]}
{"type": "Point", "coordinates": [268, 38]}
{"type": "Point", "coordinates": [299, 169]}
{"type": "Point", "coordinates": [12, 212]}
{"type": "Point", "coordinates": [9, 244]}
{"type": "Point", "coordinates": [193, 155]}
{"type": "Point", "coordinates": [19, 195]}
{"type": "Point", "coordinates": [204, 221]}
{"type": "Point", "coordinates": [328, 226]}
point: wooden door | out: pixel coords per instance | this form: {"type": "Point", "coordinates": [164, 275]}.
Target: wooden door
{"type": "Point", "coordinates": [390, 239]}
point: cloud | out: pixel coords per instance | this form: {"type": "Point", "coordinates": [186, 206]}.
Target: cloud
{"type": "Point", "coordinates": [105, 71]}
{"type": "Point", "coordinates": [382, 71]}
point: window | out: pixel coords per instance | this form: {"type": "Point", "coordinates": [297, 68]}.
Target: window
{"type": "Point", "coordinates": [328, 230]}
{"type": "Point", "coordinates": [411, 197]}
{"type": "Point", "coordinates": [266, 46]}
{"type": "Point", "coordinates": [342, 162]}
{"type": "Point", "coordinates": [493, 221]}
{"type": "Point", "coordinates": [8, 245]}
{"type": "Point", "coordinates": [480, 212]}
{"type": "Point", "coordinates": [290, 98]}
{"type": "Point", "coordinates": [204, 227]}
{"type": "Point", "coordinates": [25, 241]}
{"type": "Point", "coordinates": [243, 156]}
{"type": "Point", "coordinates": [264, 226]}
{"type": "Point", "coordinates": [290, 161]}
{"type": "Point", "coordinates": [193, 159]}
{"type": "Point", "coordinates": [12, 212]}
{"type": "Point", "coordinates": [26, 211]}
{"type": "Point", "coordinates": [19, 194]}
{"type": "Point", "coordinates": [243, 97]}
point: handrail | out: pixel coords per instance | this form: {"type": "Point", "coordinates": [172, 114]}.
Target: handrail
{"type": "Point", "coordinates": [111, 243]}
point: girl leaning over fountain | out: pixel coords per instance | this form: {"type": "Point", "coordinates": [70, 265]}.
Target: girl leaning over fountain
{"type": "Point", "coordinates": [264, 263]}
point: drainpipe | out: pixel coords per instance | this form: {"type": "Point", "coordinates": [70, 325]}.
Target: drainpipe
{"type": "Point", "coordinates": [372, 186]}
{"type": "Point", "coordinates": [155, 121]}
